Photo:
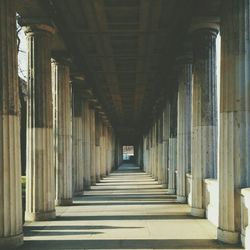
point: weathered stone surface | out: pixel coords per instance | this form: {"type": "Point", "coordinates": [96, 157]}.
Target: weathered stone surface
{"type": "Point", "coordinates": [234, 157]}
{"type": "Point", "coordinates": [184, 124]}
{"type": "Point", "coordinates": [40, 192]}
{"type": "Point", "coordinates": [204, 114]}
{"type": "Point", "coordinates": [10, 154]}
{"type": "Point", "coordinates": [62, 113]}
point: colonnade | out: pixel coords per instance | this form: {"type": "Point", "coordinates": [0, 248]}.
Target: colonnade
{"type": "Point", "coordinates": [71, 144]}
{"type": "Point", "coordinates": [207, 168]}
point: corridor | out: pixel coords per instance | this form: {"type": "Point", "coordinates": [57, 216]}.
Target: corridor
{"type": "Point", "coordinates": [126, 210]}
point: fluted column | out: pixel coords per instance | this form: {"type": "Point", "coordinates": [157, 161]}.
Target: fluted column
{"type": "Point", "coordinates": [92, 146]}
{"type": "Point", "coordinates": [40, 188]}
{"type": "Point", "coordinates": [77, 139]}
{"type": "Point", "coordinates": [184, 123]}
{"type": "Point", "coordinates": [97, 149]}
{"type": "Point", "coordinates": [62, 113]}
{"type": "Point", "coordinates": [10, 154]}
{"type": "Point", "coordinates": [86, 116]}
{"type": "Point", "coordinates": [204, 113]}
{"type": "Point", "coordinates": [167, 180]}
{"type": "Point", "coordinates": [172, 144]}
{"type": "Point", "coordinates": [234, 150]}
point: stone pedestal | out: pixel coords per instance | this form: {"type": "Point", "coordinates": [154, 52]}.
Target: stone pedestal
{"type": "Point", "coordinates": [184, 64]}
{"type": "Point", "coordinates": [10, 154]}
{"type": "Point", "coordinates": [40, 188]}
{"type": "Point", "coordinates": [62, 114]}
{"type": "Point", "coordinates": [204, 113]}
{"type": "Point", "coordinates": [234, 148]}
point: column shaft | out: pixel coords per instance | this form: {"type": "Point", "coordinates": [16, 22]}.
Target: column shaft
{"type": "Point", "coordinates": [204, 115]}
{"type": "Point", "coordinates": [184, 125]}
{"type": "Point", "coordinates": [86, 143]}
{"type": "Point", "coordinates": [234, 171]}
{"type": "Point", "coordinates": [77, 141]}
{"type": "Point", "coordinates": [62, 114]}
{"type": "Point", "coordinates": [10, 154]}
{"type": "Point", "coordinates": [40, 191]}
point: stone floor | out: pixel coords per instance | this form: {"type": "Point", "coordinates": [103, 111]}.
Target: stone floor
{"type": "Point", "coordinates": [127, 210]}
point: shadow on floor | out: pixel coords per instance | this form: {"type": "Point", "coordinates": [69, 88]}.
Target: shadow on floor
{"type": "Point", "coordinates": [127, 244]}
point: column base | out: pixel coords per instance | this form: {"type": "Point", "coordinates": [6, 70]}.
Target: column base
{"type": "Point", "coordinates": [11, 242]}
{"type": "Point", "coordinates": [87, 188]}
{"type": "Point", "coordinates": [50, 215]}
{"type": "Point", "coordinates": [172, 191]}
{"type": "Point", "coordinates": [181, 199]}
{"type": "Point", "coordinates": [78, 193]}
{"type": "Point", "coordinates": [228, 236]}
{"type": "Point", "coordinates": [64, 202]}
{"type": "Point", "coordinates": [197, 212]}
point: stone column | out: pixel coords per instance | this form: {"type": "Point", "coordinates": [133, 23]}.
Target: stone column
{"type": "Point", "coordinates": [77, 139]}
{"type": "Point", "coordinates": [40, 188]}
{"type": "Point", "coordinates": [97, 149]}
{"type": "Point", "coordinates": [10, 154]}
{"type": "Point", "coordinates": [234, 158]}
{"type": "Point", "coordinates": [167, 181]}
{"type": "Point", "coordinates": [86, 142]}
{"type": "Point", "coordinates": [172, 160]}
{"type": "Point", "coordinates": [160, 151]}
{"type": "Point", "coordinates": [92, 146]}
{"type": "Point", "coordinates": [204, 111]}
{"type": "Point", "coordinates": [102, 147]}
{"type": "Point", "coordinates": [62, 113]}
{"type": "Point", "coordinates": [184, 117]}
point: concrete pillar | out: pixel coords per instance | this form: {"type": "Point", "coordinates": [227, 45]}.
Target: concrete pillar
{"type": "Point", "coordinates": [40, 191]}
{"type": "Point", "coordinates": [10, 154]}
{"type": "Point", "coordinates": [184, 118]}
{"type": "Point", "coordinates": [165, 144]}
{"type": "Point", "coordinates": [62, 113]}
{"type": "Point", "coordinates": [204, 111]}
{"type": "Point", "coordinates": [172, 160]}
{"type": "Point", "coordinates": [77, 139]}
{"type": "Point", "coordinates": [86, 116]}
{"type": "Point", "coordinates": [234, 156]}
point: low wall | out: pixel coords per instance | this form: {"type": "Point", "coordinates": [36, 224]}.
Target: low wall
{"type": "Point", "coordinates": [245, 219]}
{"type": "Point", "coordinates": [211, 200]}
{"type": "Point", "coordinates": [189, 188]}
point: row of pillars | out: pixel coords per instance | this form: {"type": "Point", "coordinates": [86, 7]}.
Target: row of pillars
{"type": "Point", "coordinates": [70, 144]}
{"type": "Point", "coordinates": [199, 148]}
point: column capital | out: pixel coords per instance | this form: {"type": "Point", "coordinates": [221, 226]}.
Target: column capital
{"type": "Point", "coordinates": [33, 25]}
{"type": "Point", "coordinates": [211, 24]}
{"type": "Point", "coordinates": [61, 58]}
